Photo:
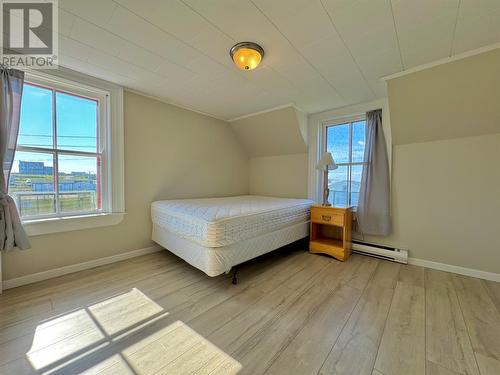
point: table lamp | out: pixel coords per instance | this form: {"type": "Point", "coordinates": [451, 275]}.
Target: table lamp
{"type": "Point", "coordinates": [325, 164]}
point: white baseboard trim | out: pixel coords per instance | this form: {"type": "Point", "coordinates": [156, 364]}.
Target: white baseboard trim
{"type": "Point", "coordinates": [455, 269]}
{"type": "Point", "coordinates": [39, 276]}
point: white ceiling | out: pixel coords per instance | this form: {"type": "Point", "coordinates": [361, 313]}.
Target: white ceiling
{"type": "Point", "coordinates": [320, 54]}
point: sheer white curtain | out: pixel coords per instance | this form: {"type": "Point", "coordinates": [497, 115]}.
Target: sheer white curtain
{"type": "Point", "coordinates": [373, 214]}
{"type": "Point", "coordinates": [12, 233]}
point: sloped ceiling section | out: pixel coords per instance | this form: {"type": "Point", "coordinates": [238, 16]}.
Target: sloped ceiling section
{"type": "Point", "coordinates": [458, 99]}
{"type": "Point", "coordinates": [279, 132]}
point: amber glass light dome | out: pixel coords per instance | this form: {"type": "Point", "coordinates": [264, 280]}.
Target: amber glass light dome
{"type": "Point", "coordinates": [247, 55]}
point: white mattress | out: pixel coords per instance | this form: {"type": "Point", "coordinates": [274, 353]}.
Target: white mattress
{"type": "Point", "coordinates": [217, 222]}
{"type": "Point", "coordinates": [217, 260]}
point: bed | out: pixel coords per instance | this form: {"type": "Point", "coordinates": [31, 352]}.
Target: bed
{"type": "Point", "coordinates": [216, 234]}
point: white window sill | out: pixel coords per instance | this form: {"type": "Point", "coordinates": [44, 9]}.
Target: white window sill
{"type": "Point", "coordinates": [70, 223]}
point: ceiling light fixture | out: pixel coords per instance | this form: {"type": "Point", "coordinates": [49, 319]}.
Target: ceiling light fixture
{"type": "Point", "coordinates": [246, 55]}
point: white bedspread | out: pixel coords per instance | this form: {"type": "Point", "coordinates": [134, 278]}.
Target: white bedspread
{"type": "Point", "coordinates": [217, 222]}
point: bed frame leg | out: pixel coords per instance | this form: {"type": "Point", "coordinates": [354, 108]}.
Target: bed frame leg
{"type": "Point", "coordinates": [235, 278]}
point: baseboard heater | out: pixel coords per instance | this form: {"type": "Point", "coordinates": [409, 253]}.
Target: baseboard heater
{"type": "Point", "coordinates": [380, 251]}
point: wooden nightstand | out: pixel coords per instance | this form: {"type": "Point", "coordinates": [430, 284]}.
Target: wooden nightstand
{"type": "Point", "coordinates": [331, 231]}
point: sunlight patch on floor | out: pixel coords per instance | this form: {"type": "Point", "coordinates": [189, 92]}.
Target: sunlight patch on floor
{"type": "Point", "coordinates": [124, 334]}
{"type": "Point", "coordinates": [62, 337]}
{"type": "Point", "coordinates": [124, 311]}
{"type": "Point", "coordinates": [178, 349]}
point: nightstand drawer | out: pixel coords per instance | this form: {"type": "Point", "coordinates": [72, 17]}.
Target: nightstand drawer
{"type": "Point", "coordinates": [326, 216]}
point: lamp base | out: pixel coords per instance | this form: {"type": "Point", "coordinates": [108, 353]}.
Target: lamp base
{"type": "Point", "coordinates": [326, 193]}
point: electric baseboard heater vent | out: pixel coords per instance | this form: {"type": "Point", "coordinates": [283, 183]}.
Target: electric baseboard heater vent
{"type": "Point", "coordinates": [380, 251]}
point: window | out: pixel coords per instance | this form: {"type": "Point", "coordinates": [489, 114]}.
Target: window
{"type": "Point", "coordinates": [68, 161]}
{"type": "Point", "coordinates": [346, 142]}
{"type": "Point", "coordinates": [57, 165]}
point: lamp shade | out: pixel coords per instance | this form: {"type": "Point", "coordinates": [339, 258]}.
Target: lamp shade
{"type": "Point", "coordinates": [326, 162]}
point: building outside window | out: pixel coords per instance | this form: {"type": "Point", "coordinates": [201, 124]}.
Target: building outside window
{"type": "Point", "coordinates": [346, 141]}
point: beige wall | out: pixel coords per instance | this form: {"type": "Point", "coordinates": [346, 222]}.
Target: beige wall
{"type": "Point", "coordinates": [276, 142]}
{"type": "Point", "coordinates": [169, 153]}
{"type": "Point", "coordinates": [446, 163]}
{"type": "Point", "coordinates": [279, 132]}
{"type": "Point", "coordinates": [446, 201]}
{"type": "Point", "coordinates": [458, 99]}
{"type": "Point", "coordinates": [279, 176]}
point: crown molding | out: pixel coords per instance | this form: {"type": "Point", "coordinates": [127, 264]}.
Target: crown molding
{"type": "Point", "coordinates": [446, 60]}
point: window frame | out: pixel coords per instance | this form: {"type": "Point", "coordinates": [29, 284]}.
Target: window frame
{"type": "Point", "coordinates": [315, 136]}
{"type": "Point", "coordinates": [349, 120]}
{"type": "Point", "coordinates": [55, 151]}
{"type": "Point", "coordinates": [111, 136]}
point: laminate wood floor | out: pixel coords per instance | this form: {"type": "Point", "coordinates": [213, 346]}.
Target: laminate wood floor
{"type": "Point", "coordinates": [291, 313]}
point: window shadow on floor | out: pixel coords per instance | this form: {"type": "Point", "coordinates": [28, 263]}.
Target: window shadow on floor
{"type": "Point", "coordinates": [125, 334]}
